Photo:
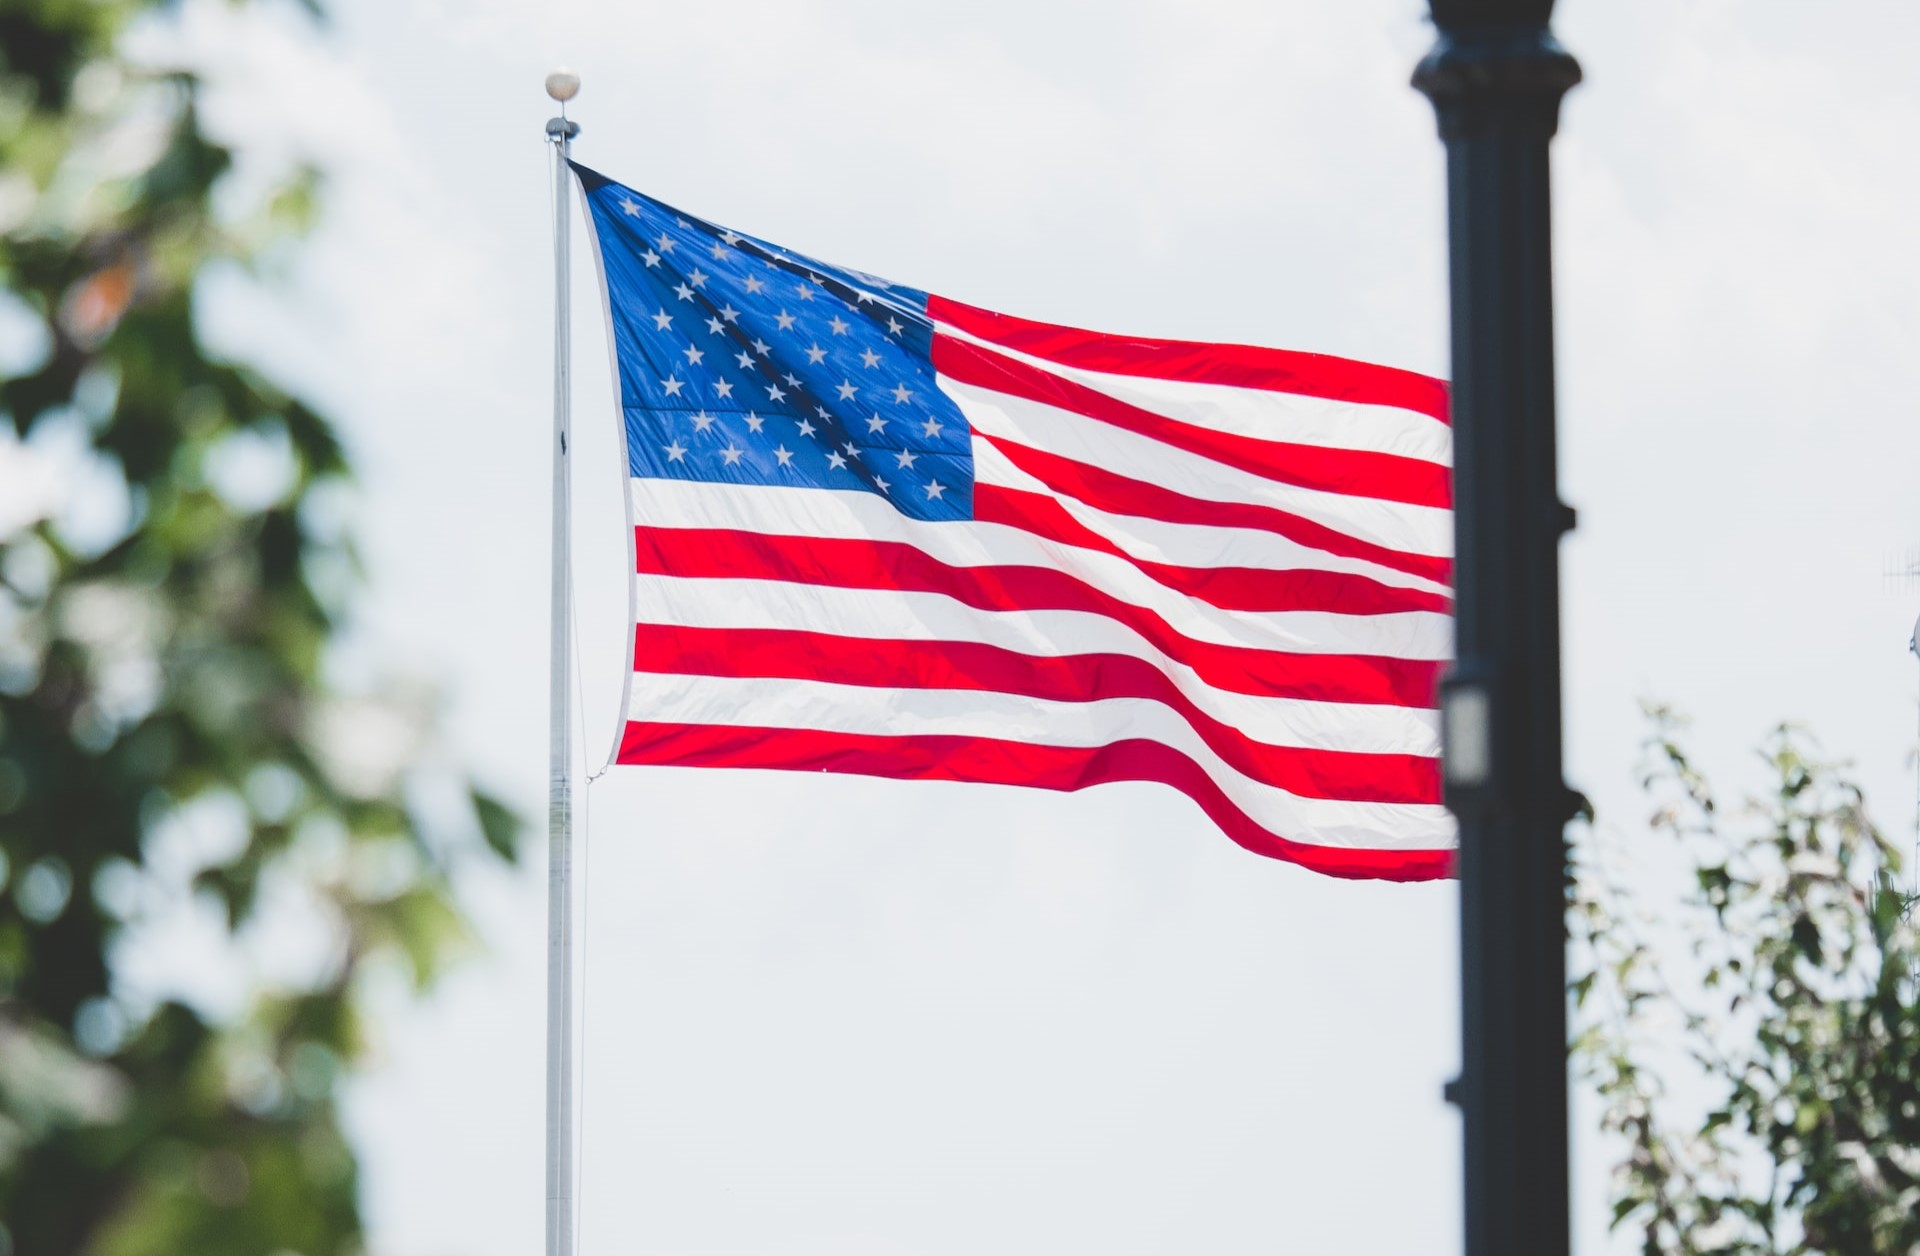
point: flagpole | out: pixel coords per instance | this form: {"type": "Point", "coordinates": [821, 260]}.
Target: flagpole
{"type": "Point", "coordinates": [562, 86]}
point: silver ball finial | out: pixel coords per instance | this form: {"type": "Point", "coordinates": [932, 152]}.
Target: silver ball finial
{"type": "Point", "coordinates": [563, 85]}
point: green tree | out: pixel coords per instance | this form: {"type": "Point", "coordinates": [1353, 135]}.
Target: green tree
{"type": "Point", "coordinates": [1757, 1044]}
{"type": "Point", "coordinates": [166, 671]}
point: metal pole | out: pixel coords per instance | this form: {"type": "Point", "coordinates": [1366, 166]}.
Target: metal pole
{"type": "Point", "coordinates": [562, 86]}
{"type": "Point", "coordinates": [1496, 78]}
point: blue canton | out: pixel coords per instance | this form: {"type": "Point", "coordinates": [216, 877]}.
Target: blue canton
{"type": "Point", "coordinates": [745, 363]}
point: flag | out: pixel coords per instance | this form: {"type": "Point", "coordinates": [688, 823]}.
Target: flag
{"type": "Point", "coordinates": [882, 532]}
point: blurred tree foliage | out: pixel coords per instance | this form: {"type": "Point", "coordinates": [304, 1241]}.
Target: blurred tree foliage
{"type": "Point", "coordinates": [1757, 1044]}
{"type": "Point", "coordinates": [168, 740]}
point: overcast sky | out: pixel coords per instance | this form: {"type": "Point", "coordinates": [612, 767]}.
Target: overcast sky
{"type": "Point", "coordinates": [865, 1018]}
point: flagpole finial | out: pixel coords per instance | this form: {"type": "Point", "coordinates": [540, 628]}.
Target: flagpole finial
{"type": "Point", "coordinates": [563, 84]}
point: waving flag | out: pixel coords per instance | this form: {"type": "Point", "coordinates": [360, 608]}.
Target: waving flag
{"type": "Point", "coordinates": [882, 532]}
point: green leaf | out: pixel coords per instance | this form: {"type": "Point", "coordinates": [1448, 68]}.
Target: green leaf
{"type": "Point", "coordinates": [500, 825]}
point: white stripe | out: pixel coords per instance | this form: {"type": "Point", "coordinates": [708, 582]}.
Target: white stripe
{"type": "Point", "coordinates": [1395, 525]}
{"type": "Point", "coordinates": [1150, 540]}
{"type": "Point", "coordinates": [1194, 544]}
{"type": "Point", "coordinates": [817, 513]}
{"type": "Point", "coordinates": [891, 616]}
{"type": "Point", "coordinates": [971, 713]}
{"type": "Point", "coordinates": [1257, 412]}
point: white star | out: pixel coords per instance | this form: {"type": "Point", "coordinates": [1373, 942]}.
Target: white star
{"type": "Point", "coordinates": [692, 355]}
{"type": "Point", "coordinates": [901, 395]}
{"type": "Point", "coordinates": [869, 359]}
{"type": "Point", "coordinates": [731, 236]}
{"type": "Point", "coordinates": [672, 385]}
{"type": "Point", "coordinates": [846, 390]}
{"type": "Point", "coordinates": [713, 325]}
{"type": "Point", "coordinates": [876, 423]}
{"type": "Point", "coordinates": [631, 207]}
{"type": "Point", "coordinates": [784, 319]}
{"type": "Point", "coordinates": [665, 242]}
{"type": "Point", "coordinates": [823, 412]}
{"type": "Point", "coordinates": [864, 296]}
{"type": "Point", "coordinates": [881, 484]}
{"type": "Point", "coordinates": [662, 321]}
{"type": "Point", "coordinates": [718, 250]}
{"type": "Point", "coordinates": [894, 327]}
{"type": "Point", "coordinates": [816, 355]}
{"type": "Point", "coordinates": [932, 427]}
{"type": "Point", "coordinates": [851, 451]}
{"type": "Point", "coordinates": [807, 428]}
{"type": "Point", "coordinates": [729, 313]}
{"type": "Point", "coordinates": [676, 452]}
{"type": "Point", "coordinates": [725, 389]}
{"type": "Point", "coordinates": [754, 284]}
{"type": "Point", "coordinates": [806, 293]}
{"type": "Point", "coordinates": [702, 421]}
{"type": "Point", "coordinates": [683, 292]}
{"type": "Point", "coordinates": [754, 422]}
{"type": "Point", "coordinates": [732, 453]}
{"type": "Point", "coordinates": [744, 359]}
{"type": "Point", "coordinates": [905, 458]}
{"type": "Point", "coordinates": [683, 222]}
{"type": "Point", "coordinates": [697, 277]}
{"type": "Point", "coordinates": [761, 347]}
{"type": "Point", "coordinates": [651, 258]}
{"type": "Point", "coordinates": [793, 381]}
{"type": "Point", "coordinates": [784, 454]}
{"type": "Point", "coordinates": [839, 325]}
{"type": "Point", "coordinates": [934, 489]}
{"type": "Point", "coordinates": [774, 393]}
{"type": "Point", "coordinates": [835, 461]}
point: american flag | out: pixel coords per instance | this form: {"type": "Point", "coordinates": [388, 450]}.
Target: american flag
{"type": "Point", "coordinates": [882, 532]}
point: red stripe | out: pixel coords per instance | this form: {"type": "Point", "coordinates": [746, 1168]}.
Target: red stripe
{"type": "Point", "coordinates": [969, 665]}
{"type": "Point", "coordinates": [1274, 370]}
{"type": "Point", "coordinates": [1349, 472]}
{"type": "Point", "coordinates": [1229, 588]}
{"type": "Point", "coordinates": [991, 761]}
{"type": "Point", "coordinates": [1117, 494]}
{"type": "Point", "coordinates": [851, 564]}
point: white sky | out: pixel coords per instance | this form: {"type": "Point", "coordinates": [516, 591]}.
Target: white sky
{"type": "Point", "coordinates": [864, 1018]}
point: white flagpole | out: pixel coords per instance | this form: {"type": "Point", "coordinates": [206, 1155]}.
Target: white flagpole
{"type": "Point", "coordinates": [562, 86]}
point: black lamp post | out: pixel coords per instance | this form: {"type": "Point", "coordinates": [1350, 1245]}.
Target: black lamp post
{"type": "Point", "coordinates": [1496, 77]}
